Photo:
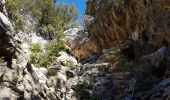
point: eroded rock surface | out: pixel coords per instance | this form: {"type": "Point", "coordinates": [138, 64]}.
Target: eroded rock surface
{"type": "Point", "coordinates": [18, 79]}
{"type": "Point", "coordinates": [112, 22]}
{"type": "Point", "coordinates": [79, 43]}
{"type": "Point", "coordinates": [103, 74]}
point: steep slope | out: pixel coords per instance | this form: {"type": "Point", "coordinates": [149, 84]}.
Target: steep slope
{"type": "Point", "coordinates": [18, 78]}
{"type": "Point", "coordinates": [143, 26]}
{"type": "Point", "coordinates": [79, 43]}
{"type": "Point", "coordinates": [106, 75]}
{"type": "Point", "coordinates": [112, 22]}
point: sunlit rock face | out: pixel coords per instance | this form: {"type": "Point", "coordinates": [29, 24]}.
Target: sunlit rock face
{"type": "Point", "coordinates": [64, 58]}
{"type": "Point", "coordinates": [112, 22]}
{"type": "Point", "coordinates": [18, 78]}
{"type": "Point", "coordinates": [79, 43]}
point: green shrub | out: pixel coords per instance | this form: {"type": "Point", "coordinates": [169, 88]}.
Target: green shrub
{"type": "Point", "coordinates": [50, 17]}
{"type": "Point", "coordinates": [35, 53]}
{"type": "Point", "coordinates": [14, 9]}
{"type": "Point", "coordinates": [70, 65]}
{"type": "Point", "coordinates": [47, 12]}
{"type": "Point", "coordinates": [51, 72]}
{"type": "Point", "coordinates": [81, 90]}
{"type": "Point", "coordinates": [41, 59]}
{"type": "Point", "coordinates": [53, 48]}
{"type": "Point", "coordinates": [35, 48]}
{"type": "Point", "coordinates": [45, 59]}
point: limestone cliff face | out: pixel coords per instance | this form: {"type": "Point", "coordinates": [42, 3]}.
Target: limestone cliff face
{"type": "Point", "coordinates": [112, 22]}
{"type": "Point", "coordinates": [79, 43]}
{"type": "Point", "coordinates": [18, 79]}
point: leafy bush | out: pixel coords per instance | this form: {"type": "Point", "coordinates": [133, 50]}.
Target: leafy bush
{"type": "Point", "coordinates": [41, 59]}
{"type": "Point", "coordinates": [53, 48]}
{"type": "Point", "coordinates": [47, 12]}
{"type": "Point", "coordinates": [70, 65]}
{"type": "Point", "coordinates": [36, 53]}
{"type": "Point", "coordinates": [14, 10]}
{"type": "Point", "coordinates": [50, 17]}
{"type": "Point", "coordinates": [51, 73]}
{"type": "Point", "coordinates": [45, 59]}
{"type": "Point", "coordinates": [81, 90]}
{"type": "Point", "coordinates": [35, 48]}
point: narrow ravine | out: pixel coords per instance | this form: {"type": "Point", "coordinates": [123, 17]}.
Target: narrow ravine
{"type": "Point", "coordinates": [120, 52]}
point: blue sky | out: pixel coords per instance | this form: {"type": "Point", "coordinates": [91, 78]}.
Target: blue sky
{"type": "Point", "coordinates": [80, 4]}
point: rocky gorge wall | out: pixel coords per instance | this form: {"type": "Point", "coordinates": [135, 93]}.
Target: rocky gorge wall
{"type": "Point", "coordinates": [79, 43]}
{"type": "Point", "coordinates": [19, 79]}
{"type": "Point", "coordinates": [100, 76]}
{"type": "Point", "coordinates": [112, 22]}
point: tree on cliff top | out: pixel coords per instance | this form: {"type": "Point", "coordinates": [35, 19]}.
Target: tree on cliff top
{"type": "Point", "coordinates": [47, 12]}
{"type": "Point", "coordinates": [51, 17]}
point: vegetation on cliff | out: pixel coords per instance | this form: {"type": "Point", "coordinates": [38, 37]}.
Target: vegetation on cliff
{"type": "Point", "coordinates": [50, 18]}
{"type": "Point", "coordinates": [44, 57]}
{"type": "Point", "coordinates": [48, 13]}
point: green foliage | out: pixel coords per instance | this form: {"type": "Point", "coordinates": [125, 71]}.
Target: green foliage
{"type": "Point", "coordinates": [47, 12]}
{"type": "Point", "coordinates": [38, 57]}
{"type": "Point", "coordinates": [80, 87]}
{"type": "Point", "coordinates": [53, 48]}
{"type": "Point", "coordinates": [13, 8]}
{"type": "Point", "coordinates": [35, 48]}
{"type": "Point", "coordinates": [81, 90]}
{"type": "Point", "coordinates": [45, 58]}
{"type": "Point", "coordinates": [70, 65]}
{"type": "Point", "coordinates": [51, 72]}
{"type": "Point", "coordinates": [51, 17]}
